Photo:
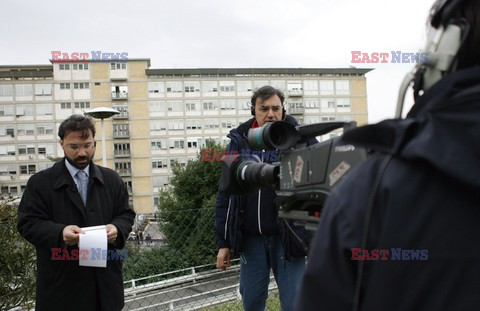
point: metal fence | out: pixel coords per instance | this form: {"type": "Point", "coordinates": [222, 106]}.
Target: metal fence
{"type": "Point", "coordinates": [171, 265]}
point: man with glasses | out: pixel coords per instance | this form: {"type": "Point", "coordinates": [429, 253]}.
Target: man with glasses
{"type": "Point", "coordinates": [248, 225]}
{"type": "Point", "coordinates": [56, 204]}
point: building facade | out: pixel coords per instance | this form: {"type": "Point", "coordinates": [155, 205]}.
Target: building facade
{"type": "Point", "coordinates": [166, 115]}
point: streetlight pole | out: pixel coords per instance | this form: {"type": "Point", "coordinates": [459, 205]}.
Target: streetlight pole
{"type": "Point", "coordinates": [102, 113]}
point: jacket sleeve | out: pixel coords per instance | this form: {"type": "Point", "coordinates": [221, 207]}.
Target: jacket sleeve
{"type": "Point", "coordinates": [222, 210]}
{"type": "Point", "coordinates": [221, 219]}
{"type": "Point", "coordinates": [123, 215]}
{"type": "Point", "coordinates": [34, 222]}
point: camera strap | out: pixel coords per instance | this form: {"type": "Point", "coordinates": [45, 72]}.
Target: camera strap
{"type": "Point", "coordinates": [366, 230]}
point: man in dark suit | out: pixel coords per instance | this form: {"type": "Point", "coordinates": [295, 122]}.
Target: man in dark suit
{"type": "Point", "coordinates": [56, 204]}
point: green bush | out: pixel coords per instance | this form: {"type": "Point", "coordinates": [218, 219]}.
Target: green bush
{"type": "Point", "coordinates": [17, 262]}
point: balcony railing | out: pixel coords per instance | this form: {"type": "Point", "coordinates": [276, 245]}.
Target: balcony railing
{"type": "Point", "coordinates": [122, 153]}
{"type": "Point", "coordinates": [119, 95]}
{"type": "Point", "coordinates": [295, 92]}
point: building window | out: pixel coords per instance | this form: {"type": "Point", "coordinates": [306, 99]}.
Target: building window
{"type": "Point", "coordinates": [191, 106]}
{"type": "Point", "coordinates": [159, 163]}
{"type": "Point", "coordinates": [7, 130]}
{"type": "Point", "coordinates": [27, 169]}
{"type": "Point", "coordinates": [64, 86]}
{"type": "Point", "coordinates": [228, 124]}
{"type": "Point", "coordinates": [122, 149]}
{"type": "Point", "coordinates": [227, 86]}
{"type": "Point", "coordinates": [227, 105]}
{"type": "Point", "coordinates": [311, 104]}
{"type": "Point", "coordinates": [43, 90]}
{"type": "Point", "coordinates": [194, 124]}
{"type": "Point", "coordinates": [123, 168]}
{"type": "Point", "coordinates": [80, 66]}
{"type": "Point", "coordinates": [82, 105]}
{"type": "Point", "coordinates": [343, 102]}
{"type": "Point", "coordinates": [44, 110]}
{"type": "Point", "coordinates": [26, 149]}
{"type": "Point", "coordinates": [81, 86]}
{"type": "Point", "coordinates": [326, 87]}
{"type": "Point", "coordinates": [121, 130]}
{"type": "Point", "coordinates": [44, 129]}
{"type": "Point", "coordinates": [46, 148]}
{"type": "Point", "coordinates": [191, 87]}
{"type": "Point", "coordinates": [157, 126]}
{"type": "Point", "coordinates": [156, 145]}
{"type": "Point", "coordinates": [210, 105]}
{"type": "Point", "coordinates": [210, 86]}
{"type": "Point", "coordinates": [64, 66]}
{"type": "Point", "coordinates": [177, 144]}
{"type": "Point", "coordinates": [328, 118]}
{"type": "Point", "coordinates": [25, 130]}
{"type": "Point", "coordinates": [118, 66]}
{"type": "Point", "coordinates": [6, 90]}
{"type": "Point", "coordinates": [244, 86]}
{"type": "Point", "coordinates": [176, 125]}
{"type": "Point", "coordinates": [156, 87]}
{"type": "Point", "coordinates": [24, 110]}
{"type": "Point", "coordinates": [174, 106]}
{"type": "Point", "coordinates": [174, 87]}
{"type": "Point", "coordinates": [65, 105]}
{"type": "Point", "coordinates": [211, 123]}
{"type": "Point", "coordinates": [7, 150]}
{"type": "Point", "coordinates": [327, 103]}
{"type": "Point", "coordinates": [23, 90]}
{"type": "Point", "coordinates": [342, 87]}
{"type": "Point", "coordinates": [6, 110]}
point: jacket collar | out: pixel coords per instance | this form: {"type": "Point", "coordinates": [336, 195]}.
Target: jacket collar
{"type": "Point", "coordinates": [63, 178]}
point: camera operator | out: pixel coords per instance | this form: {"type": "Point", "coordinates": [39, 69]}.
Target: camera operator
{"type": "Point", "coordinates": [248, 225]}
{"type": "Point", "coordinates": [401, 232]}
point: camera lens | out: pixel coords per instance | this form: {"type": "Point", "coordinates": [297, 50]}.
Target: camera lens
{"type": "Point", "coordinates": [251, 175]}
{"type": "Point", "coordinates": [276, 135]}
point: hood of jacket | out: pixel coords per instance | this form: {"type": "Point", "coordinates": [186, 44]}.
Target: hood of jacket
{"type": "Point", "coordinates": [442, 129]}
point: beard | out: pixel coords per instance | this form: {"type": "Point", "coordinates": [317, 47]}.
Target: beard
{"type": "Point", "coordinates": [80, 162]}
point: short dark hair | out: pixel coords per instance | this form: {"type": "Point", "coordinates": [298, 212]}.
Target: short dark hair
{"type": "Point", "coordinates": [76, 123]}
{"type": "Point", "coordinates": [265, 92]}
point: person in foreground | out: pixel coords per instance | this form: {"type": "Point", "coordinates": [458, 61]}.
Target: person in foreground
{"type": "Point", "coordinates": [52, 212]}
{"type": "Point", "coordinates": [401, 232]}
{"type": "Point", "coordinates": [249, 225]}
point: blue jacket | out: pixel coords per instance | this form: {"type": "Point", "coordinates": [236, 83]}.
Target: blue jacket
{"type": "Point", "coordinates": [426, 211]}
{"type": "Point", "coordinates": [253, 213]}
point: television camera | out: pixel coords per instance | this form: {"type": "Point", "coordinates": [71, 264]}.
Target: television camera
{"type": "Point", "coordinates": [303, 176]}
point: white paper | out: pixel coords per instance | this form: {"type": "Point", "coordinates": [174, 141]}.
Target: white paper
{"type": "Point", "coordinates": [93, 247]}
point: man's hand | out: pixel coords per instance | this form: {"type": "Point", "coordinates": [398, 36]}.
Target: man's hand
{"type": "Point", "coordinates": [223, 258]}
{"type": "Point", "coordinates": [71, 234]}
{"type": "Point", "coordinates": [111, 233]}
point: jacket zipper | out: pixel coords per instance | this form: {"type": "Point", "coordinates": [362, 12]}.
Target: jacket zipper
{"type": "Point", "coordinates": [259, 198]}
{"type": "Point", "coordinates": [228, 215]}
{"type": "Point", "coordinates": [259, 222]}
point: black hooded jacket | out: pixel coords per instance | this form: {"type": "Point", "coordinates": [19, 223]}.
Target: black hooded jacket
{"type": "Point", "coordinates": [426, 211]}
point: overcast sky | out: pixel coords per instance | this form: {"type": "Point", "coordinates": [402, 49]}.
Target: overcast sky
{"type": "Point", "coordinates": [224, 34]}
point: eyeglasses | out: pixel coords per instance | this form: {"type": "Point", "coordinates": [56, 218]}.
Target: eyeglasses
{"type": "Point", "coordinates": [86, 147]}
{"type": "Point", "coordinates": [265, 109]}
